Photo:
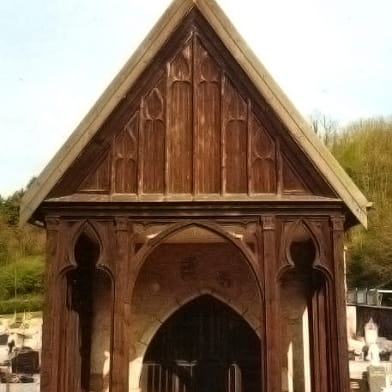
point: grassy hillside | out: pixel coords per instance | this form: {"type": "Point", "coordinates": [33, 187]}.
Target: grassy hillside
{"type": "Point", "coordinates": [364, 149]}
{"type": "Point", "coordinates": [21, 260]}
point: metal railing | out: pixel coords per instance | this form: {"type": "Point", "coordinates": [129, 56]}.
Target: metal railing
{"type": "Point", "coordinates": [370, 297]}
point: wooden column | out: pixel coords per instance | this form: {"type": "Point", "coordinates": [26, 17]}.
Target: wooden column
{"type": "Point", "coordinates": [339, 346]}
{"type": "Point", "coordinates": [320, 338]}
{"type": "Point", "coordinates": [272, 371]}
{"type": "Point", "coordinates": [51, 325]}
{"type": "Point", "coordinates": [61, 361]}
{"type": "Point", "coordinates": [121, 343]}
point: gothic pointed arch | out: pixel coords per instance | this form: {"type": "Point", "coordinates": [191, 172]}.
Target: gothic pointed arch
{"type": "Point", "coordinates": [211, 227]}
{"type": "Point", "coordinates": [87, 310]}
{"type": "Point", "coordinates": [189, 260]}
{"type": "Point", "coordinates": [304, 285]}
{"type": "Point", "coordinates": [231, 351]}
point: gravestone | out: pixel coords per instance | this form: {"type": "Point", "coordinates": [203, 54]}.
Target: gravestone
{"type": "Point", "coordinates": [376, 378]}
{"type": "Point", "coordinates": [26, 362]}
{"type": "Point", "coordinates": [3, 339]}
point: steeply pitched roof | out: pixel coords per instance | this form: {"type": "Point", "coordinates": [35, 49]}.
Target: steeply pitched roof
{"type": "Point", "coordinates": [300, 131]}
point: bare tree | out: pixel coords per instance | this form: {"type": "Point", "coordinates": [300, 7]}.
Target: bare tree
{"type": "Point", "coordinates": [324, 127]}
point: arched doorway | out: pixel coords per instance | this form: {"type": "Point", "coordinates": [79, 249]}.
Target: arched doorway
{"type": "Point", "coordinates": [205, 346]}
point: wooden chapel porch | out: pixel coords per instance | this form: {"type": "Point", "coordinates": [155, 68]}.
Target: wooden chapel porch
{"type": "Point", "coordinates": [194, 201]}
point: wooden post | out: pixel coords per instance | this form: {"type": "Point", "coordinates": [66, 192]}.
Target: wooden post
{"type": "Point", "coordinates": [121, 344]}
{"type": "Point", "coordinates": [340, 346]}
{"type": "Point", "coordinates": [272, 371]}
{"type": "Point", "coordinates": [320, 338]}
{"type": "Point", "coordinates": [49, 342]}
{"type": "Point", "coordinates": [60, 367]}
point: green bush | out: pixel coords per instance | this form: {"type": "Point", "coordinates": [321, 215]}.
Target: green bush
{"type": "Point", "coordinates": [21, 304]}
{"type": "Point", "coordinates": [25, 275]}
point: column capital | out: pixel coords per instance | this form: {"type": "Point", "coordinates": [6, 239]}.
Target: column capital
{"type": "Point", "coordinates": [337, 222]}
{"type": "Point", "coordinates": [52, 223]}
{"type": "Point", "coordinates": [268, 222]}
{"type": "Point", "coordinates": [121, 223]}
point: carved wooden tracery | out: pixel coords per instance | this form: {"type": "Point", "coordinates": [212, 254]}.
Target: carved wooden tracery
{"type": "Point", "coordinates": [82, 298]}
{"type": "Point", "coordinates": [275, 236]}
{"type": "Point", "coordinates": [300, 285]}
{"type": "Point", "coordinates": [194, 128]}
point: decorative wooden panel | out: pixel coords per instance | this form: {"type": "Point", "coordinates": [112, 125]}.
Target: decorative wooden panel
{"type": "Point", "coordinates": [192, 127]}
{"type": "Point", "coordinates": [152, 149]}
{"type": "Point", "coordinates": [98, 180]}
{"type": "Point", "coordinates": [292, 182]}
{"type": "Point", "coordinates": [207, 121]}
{"type": "Point", "coordinates": [234, 140]}
{"type": "Point", "coordinates": [263, 169]}
{"type": "Point", "coordinates": [125, 154]}
{"type": "Point", "coordinates": [180, 127]}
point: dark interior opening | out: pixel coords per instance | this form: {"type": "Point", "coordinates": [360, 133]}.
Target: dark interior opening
{"type": "Point", "coordinates": [80, 299]}
{"type": "Point", "coordinates": [204, 347]}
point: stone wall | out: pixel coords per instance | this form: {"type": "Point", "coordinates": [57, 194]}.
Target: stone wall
{"type": "Point", "coordinates": [174, 274]}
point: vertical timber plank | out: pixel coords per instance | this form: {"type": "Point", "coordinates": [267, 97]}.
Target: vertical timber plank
{"type": "Point", "coordinates": [339, 346]}
{"type": "Point", "coordinates": [125, 157]}
{"type": "Point", "coordinates": [249, 170]}
{"type": "Point", "coordinates": [272, 370]}
{"type": "Point", "coordinates": [180, 123]}
{"type": "Point", "coordinates": [262, 157]}
{"type": "Point", "coordinates": [279, 168]}
{"type": "Point", "coordinates": [235, 127]}
{"type": "Point", "coordinates": [152, 156]}
{"type": "Point", "coordinates": [121, 344]}
{"type": "Point", "coordinates": [50, 344]}
{"type": "Point", "coordinates": [207, 122]}
{"type": "Point", "coordinates": [223, 137]}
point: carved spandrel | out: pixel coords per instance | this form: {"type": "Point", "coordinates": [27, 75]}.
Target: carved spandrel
{"type": "Point", "coordinates": [263, 159]}
{"type": "Point", "coordinates": [154, 105]}
{"type": "Point", "coordinates": [207, 122]}
{"type": "Point", "coordinates": [180, 69]}
{"type": "Point", "coordinates": [126, 157]}
{"type": "Point", "coordinates": [206, 68]}
{"type": "Point", "coordinates": [321, 231]}
{"type": "Point", "coordinates": [99, 178]}
{"type": "Point", "coordinates": [235, 139]}
{"type": "Point", "coordinates": [305, 230]}
{"type": "Point", "coordinates": [152, 150]}
{"type": "Point", "coordinates": [292, 182]}
{"type": "Point", "coordinates": [180, 123]}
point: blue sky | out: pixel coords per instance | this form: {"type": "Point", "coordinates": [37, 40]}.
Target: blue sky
{"type": "Point", "coordinates": [57, 56]}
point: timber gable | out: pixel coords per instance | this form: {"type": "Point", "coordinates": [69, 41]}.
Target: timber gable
{"type": "Point", "coordinates": [193, 116]}
{"type": "Point", "coordinates": [194, 128]}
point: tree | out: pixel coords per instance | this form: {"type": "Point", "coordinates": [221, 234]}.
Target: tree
{"type": "Point", "coordinates": [324, 127]}
{"type": "Point", "coordinates": [21, 258]}
{"type": "Point", "coordinates": [364, 149]}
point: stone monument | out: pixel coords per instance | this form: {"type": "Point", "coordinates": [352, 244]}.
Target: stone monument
{"type": "Point", "coordinates": [376, 373]}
